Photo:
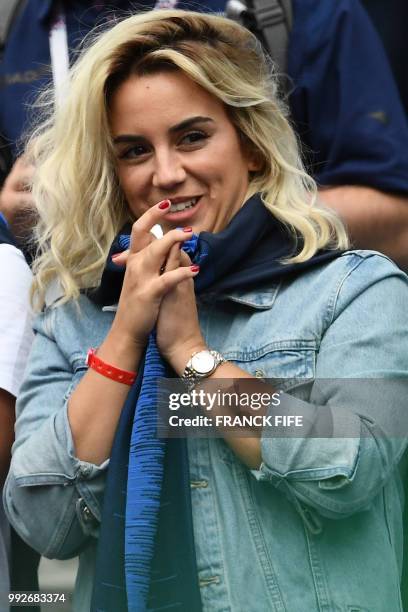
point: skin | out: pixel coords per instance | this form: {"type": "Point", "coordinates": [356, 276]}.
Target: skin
{"type": "Point", "coordinates": [7, 413]}
{"type": "Point", "coordinates": [375, 220]}
{"type": "Point", "coordinates": [16, 201]}
{"type": "Point", "coordinates": [178, 150]}
{"type": "Point", "coordinates": [167, 162]}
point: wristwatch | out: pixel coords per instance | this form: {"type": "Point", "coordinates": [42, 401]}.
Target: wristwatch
{"type": "Point", "coordinates": [201, 365]}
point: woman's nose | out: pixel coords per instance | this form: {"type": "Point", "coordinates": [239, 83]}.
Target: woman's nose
{"type": "Point", "coordinates": [168, 170]}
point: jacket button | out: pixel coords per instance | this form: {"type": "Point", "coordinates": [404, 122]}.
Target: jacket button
{"type": "Point", "coordinates": [87, 514]}
{"type": "Point", "coordinates": [203, 582]}
{"type": "Point", "coordinates": [259, 374]}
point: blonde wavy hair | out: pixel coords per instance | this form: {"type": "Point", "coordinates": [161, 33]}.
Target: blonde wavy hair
{"type": "Point", "coordinates": [80, 203]}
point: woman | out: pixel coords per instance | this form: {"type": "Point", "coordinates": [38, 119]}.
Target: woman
{"type": "Point", "coordinates": [172, 119]}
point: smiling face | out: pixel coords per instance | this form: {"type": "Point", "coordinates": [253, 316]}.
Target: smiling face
{"type": "Point", "coordinates": [174, 140]}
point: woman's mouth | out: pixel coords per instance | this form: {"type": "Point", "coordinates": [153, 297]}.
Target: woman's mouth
{"type": "Point", "coordinates": [182, 210]}
{"type": "Point", "coordinates": [178, 206]}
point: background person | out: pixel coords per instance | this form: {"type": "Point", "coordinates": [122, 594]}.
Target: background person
{"type": "Point", "coordinates": [15, 341]}
{"type": "Point", "coordinates": [173, 142]}
{"type": "Point", "coordinates": [349, 119]}
{"type": "Point", "coordinates": [389, 19]}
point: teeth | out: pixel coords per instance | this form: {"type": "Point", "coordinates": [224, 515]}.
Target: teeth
{"type": "Point", "coordinates": [183, 205]}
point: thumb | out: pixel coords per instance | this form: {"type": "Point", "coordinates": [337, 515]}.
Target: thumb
{"type": "Point", "coordinates": [120, 259]}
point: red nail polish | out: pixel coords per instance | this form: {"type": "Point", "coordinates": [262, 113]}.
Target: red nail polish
{"type": "Point", "coordinates": [195, 268]}
{"type": "Point", "coordinates": [187, 229]}
{"type": "Point", "coordinates": [164, 204]}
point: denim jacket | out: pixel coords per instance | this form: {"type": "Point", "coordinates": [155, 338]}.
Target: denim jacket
{"type": "Point", "coordinates": [319, 525]}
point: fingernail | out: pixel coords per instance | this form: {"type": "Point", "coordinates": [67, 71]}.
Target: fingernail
{"type": "Point", "coordinates": [164, 204]}
{"type": "Point", "coordinates": [195, 268]}
{"type": "Point", "coordinates": [116, 256]}
{"type": "Point", "coordinates": [187, 229]}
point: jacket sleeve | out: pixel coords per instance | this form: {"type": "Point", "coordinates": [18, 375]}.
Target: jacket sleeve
{"type": "Point", "coordinates": [356, 414]}
{"type": "Point", "coordinates": [344, 101]}
{"type": "Point", "coordinates": [51, 498]}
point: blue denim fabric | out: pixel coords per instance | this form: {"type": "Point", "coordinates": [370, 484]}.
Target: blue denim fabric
{"type": "Point", "coordinates": [318, 526]}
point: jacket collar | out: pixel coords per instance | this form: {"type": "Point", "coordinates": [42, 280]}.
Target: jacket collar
{"type": "Point", "coordinates": [261, 299]}
{"type": "Point", "coordinates": [258, 299]}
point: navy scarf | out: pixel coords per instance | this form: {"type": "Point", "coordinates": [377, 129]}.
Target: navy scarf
{"type": "Point", "coordinates": [146, 555]}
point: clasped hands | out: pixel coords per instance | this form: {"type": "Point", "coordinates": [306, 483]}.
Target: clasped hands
{"type": "Point", "coordinates": [158, 289]}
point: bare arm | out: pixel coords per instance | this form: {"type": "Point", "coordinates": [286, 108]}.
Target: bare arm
{"type": "Point", "coordinates": [95, 406]}
{"type": "Point", "coordinates": [7, 414]}
{"type": "Point", "coordinates": [376, 220]}
{"type": "Point", "coordinates": [248, 449]}
{"type": "Point", "coordinates": [179, 336]}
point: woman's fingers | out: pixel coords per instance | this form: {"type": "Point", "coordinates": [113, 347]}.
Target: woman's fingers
{"type": "Point", "coordinates": [185, 259]}
{"type": "Point", "coordinates": [174, 259]}
{"type": "Point", "coordinates": [144, 231]}
{"type": "Point", "coordinates": [120, 259]}
{"type": "Point", "coordinates": [141, 235]}
{"type": "Point", "coordinates": [169, 280]}
{"type": "Point", "coordinates": [157, 254]}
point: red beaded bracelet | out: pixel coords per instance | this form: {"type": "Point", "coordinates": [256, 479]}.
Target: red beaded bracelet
{"type": "Point", "coordinates": [108, 370]}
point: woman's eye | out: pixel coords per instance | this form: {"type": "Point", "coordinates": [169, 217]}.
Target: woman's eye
{"type": "Point", "coordinates": [193, 137]}
{"type": "Point", "coordinates": [134, 152]}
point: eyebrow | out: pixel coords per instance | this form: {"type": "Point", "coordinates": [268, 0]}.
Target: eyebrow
{"type": "Point", "coordinates": [191, 121]}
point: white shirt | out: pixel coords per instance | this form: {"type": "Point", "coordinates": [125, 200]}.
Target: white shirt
{"type": "Point", "coordinates": [15, 317]}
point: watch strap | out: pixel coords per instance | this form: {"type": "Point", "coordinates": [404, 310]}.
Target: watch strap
{"type": "Point", "coordinates": [191, 377]}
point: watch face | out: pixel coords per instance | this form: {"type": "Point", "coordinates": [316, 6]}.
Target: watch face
{"type": "Point", "coordinates": [203, 362]}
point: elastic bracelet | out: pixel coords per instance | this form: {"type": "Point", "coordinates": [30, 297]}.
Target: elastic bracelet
{"type": "Point", "coordinates": [108, 370]}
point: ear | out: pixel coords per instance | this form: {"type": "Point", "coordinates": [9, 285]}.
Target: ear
{"type": "Point", "coordinates": [254, 160]}
{"type": "Point", "coordinates": [252, 155]}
